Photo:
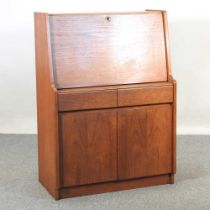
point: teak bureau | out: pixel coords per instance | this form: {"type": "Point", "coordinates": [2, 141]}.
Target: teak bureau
{"type": "Point", "coordinates": [106, 102]}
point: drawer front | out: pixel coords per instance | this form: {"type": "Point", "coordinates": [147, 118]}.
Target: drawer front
{"type": "Point", "coordinates": [87, 100]}
{"type": "Point", "coordinates": [145, 95]}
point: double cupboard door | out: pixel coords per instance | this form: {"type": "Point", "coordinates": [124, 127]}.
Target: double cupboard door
{"type": "Point", "coordinates": [115, 144]}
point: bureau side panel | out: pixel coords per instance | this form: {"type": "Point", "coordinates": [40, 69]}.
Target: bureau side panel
{"type": "Point", "coordinates": [46, 111]}
{"type": "Point", "coordinates": [174, 127]}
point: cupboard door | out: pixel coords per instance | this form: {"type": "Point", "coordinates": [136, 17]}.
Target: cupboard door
{"type": "Point", "coordinates": [145, 141]}
{"type": "Point", "coordinates": [89, 145]}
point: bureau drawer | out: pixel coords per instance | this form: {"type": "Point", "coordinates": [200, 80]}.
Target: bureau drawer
{"type": "Point", "coordinates": [145, 95]}
{"type": "Point", "coordinates": [87, 100]}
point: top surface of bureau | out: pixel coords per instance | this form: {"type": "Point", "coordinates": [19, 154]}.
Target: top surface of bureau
{"type": "Point", "coordinates": [107, 49]}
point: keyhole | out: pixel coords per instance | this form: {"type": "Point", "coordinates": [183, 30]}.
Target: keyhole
{"type": "Point", "coordinates": [108, 18]}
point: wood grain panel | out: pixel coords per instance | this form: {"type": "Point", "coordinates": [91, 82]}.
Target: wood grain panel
{"type": "Point", "coordinates": [114, 186]}
{"type": "Point", "coordinates": [174, 128]}
{"type": "Point", "coordinates": [145, 141]}
{"type": "Point", "coordinates": [89, 144]}
{"type": "Point", "coordinates": [87, 100]}
{"type": "Point", "coordinates": [94, 50]}
{"type": "Point", "coordinates": [167, 47]}
{"type": "Point", "coordinates": [46, 111]}
{"type": "Point", "coordinates": [145, 95]}
{"type": "Point", "coordinates": [100, 61]}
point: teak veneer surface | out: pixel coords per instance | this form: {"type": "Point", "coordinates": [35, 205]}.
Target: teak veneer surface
{"type": "Point", "coordinates": [47, 111]}
{"type": "Point", "coordinates": [115, 186]}
{"type": "Point", "coordinates": [106, 102]}
{"type": "Point", "coordinates": [107, 50]}
{"type": "Point", "coordinates": [115, 96]}
{"type": "Point", "coordinates": [89, 141]}
{"type": "Point", "coordinates": [144, 142]}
